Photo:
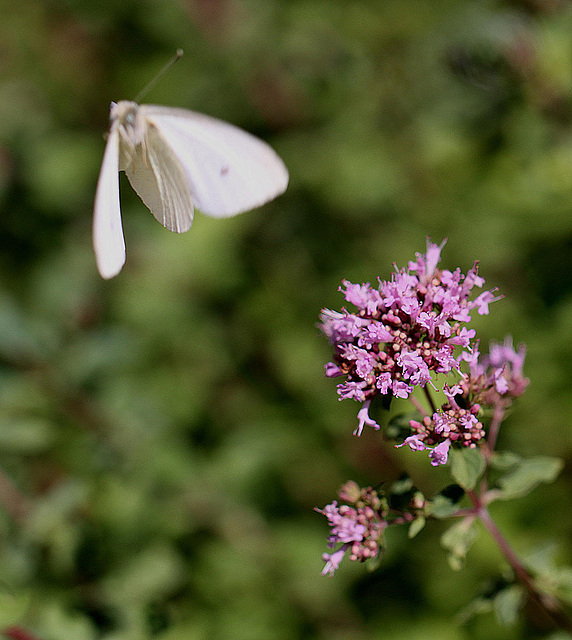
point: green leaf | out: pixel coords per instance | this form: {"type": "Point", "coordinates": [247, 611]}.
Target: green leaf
{"type": "Point", "coordinates": [477, 606]}
{"type": "Point", "coordinates": [373, 564]}
{"type": "Point", "coordinates": [507, 604]}
{"type": "Point", "coordinates": [445, 503]}
{"type": "Point", "coordinates": [550, 577]}
{"type": "Point", "coordinates": [25, 435]}
{"type": "Point", "coordinates": [398, 427]}
{"type": "Point", "coordinates": [16, 338]}
{"type": "Point", "coordinates": [402, 485]}
{"type": "Point", "coordinates": [504, 460]}
{"type": "Point", "coordinates": [458, 539]}
{"type": "Point", "coordinates": [12, 607]}
{"type": "Point", "coordinates": [147, 577]}
{"type": "Point", "coordinates": [59, 622]}
{"type": "Point", "coordinates": [401, 493]}
{"type": "Point", "coordinates": [51, 515]}
{"type": "Point", "coordinates": [467, 466]}
{"type": "Point", "coordinates": [561, 583]}
{"type": "Point", "coordinates": [416, 526]}
{"type": "Point", "coordinates": [526, 474]}
{"type": "Point", "coordinates": [441, 507]}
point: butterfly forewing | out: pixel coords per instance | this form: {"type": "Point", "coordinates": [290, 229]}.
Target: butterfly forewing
{"type": "Point", "coordinates": [228, 170]}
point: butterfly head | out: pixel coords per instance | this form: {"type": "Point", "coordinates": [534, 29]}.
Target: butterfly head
{"type": "Point", "coordinates": [126, 117]}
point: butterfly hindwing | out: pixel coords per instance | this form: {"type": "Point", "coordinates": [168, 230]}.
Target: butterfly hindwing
{"type": "Point", "coordinates": [108, 241]}
{"type": "Point", "coordinates": [160, 181]}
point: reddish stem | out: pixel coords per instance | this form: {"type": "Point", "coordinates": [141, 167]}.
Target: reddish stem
{"type": "Point", "coordinates": [420, 408]}
{"type": "Point", "coordinates": [498, 416]}
{"type": "Point", "coordinates": [546, 603]}
{"type": "Point", "coordinates": [429, 398]}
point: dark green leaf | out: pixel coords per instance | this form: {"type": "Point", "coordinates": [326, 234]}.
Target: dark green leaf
{"type": "Point", "coordinates": [467, 465]}
{"type": "Point", "coordinates": [12, 607]}
{"type": "Point", "coordinates": [507, 604]}
{"type": "Point", "coordinates": [445, 503]}
{"type": "Point", "coordinates": [398, 426]}
{"type": "Point", "coordinates": [416, 526]}
{"type": "Point", "coordinates": [458, 540]}
{"type": "Point", "coordinates": [527, 473]}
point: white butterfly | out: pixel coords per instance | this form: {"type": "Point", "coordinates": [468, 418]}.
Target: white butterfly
{"type": "Point", "coordinates": [176, 160]}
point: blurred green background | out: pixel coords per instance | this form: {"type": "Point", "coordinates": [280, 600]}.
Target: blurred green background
{"type": "Point", "coordinates": [165, 436]}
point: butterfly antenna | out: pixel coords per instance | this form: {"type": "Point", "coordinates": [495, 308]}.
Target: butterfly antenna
{"type": "Point", "coordinates": [178, 55]}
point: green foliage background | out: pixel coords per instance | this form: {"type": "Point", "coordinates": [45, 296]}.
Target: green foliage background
{"type": "Point", "coordinates": [164, 436]}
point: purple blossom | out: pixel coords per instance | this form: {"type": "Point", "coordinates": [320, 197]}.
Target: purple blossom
{"type": "Point", "coordinates": [383, 383]}
{"type": "Point", "coordinates": [364, 418]}
{"type": "Point", "coordinates": [435, 323]}
{"type": "Point", "coordinates": [444, 423]}
{"type": "Point", "coordinates": [345, 528]}
{"type": "Point", "coordinates": [399, 291]}
{"type": "Point", "coordinates": [452, 279]}
{"type": "Point", "coordinates": [400, 389]}
{"type": "Point", "coordinates": [332, 370]}
{"type": "Point", "coordinates": [476, 367]}
{"type": "Point", "coordinates": [374, 333]}
{"type": "Point", "coordinates": [402, 334]}
{"type": "Point", "coordinates": [340, 327]}
{"type": "Point", "coordinates": [364, 360]}
{"type": "Point", "coordinates": [353, 390]}
{"type": "Point", "coordinates": [414, 443]}
{"type": "Point", "coordinates": [411, 307]}
{"type": "Point", "coordinates": [362, 296]}
{"type": "Point", "coordinates": [492, 378]}
{"type": "Point", "coordinates": [425, 264]}
{"type": "Point", "coordinates": [333, 560]}
{"type": "Point", "coordinates": [483, 301]}
{"type": "Point", "coordinates": [433, 256]}
{"type": "Point", "coordinates": [499, 355]}
{"type": "Point", "coordinates": [464, 338]}
{"type": "Point", "coordinates": [462, 314]}
{"type": "Point", "coordinates": [451, 392]}
{"type": "Point", "coordinates": [473, 279]}
{"type": "Point", "coordinates": [454, 422]}
{"type": "Point", "coordinates": [440, 453]}
{"type": "Point", "coordinates": [500, 382]}
{"type": "Point", "coordinates": [445, 359]}
{"type": "Point", "coordinates": [468, 421]}
{"type": "Point", "coordinates": [415, 369]}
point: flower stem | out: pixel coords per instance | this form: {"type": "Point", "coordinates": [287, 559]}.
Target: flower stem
{"type": "Point", "coordinates": [545, 602]}
{"type": "Point", "coordinates": [420, 408]}
{"type": "Point", "coordinates": [429, 398]}
{"type": "Point", "coordinates": [498, 416]}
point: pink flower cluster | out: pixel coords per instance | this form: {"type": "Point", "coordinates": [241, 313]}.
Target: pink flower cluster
{"type": "Point", "coordinates": [357, 528]}
{"type": "Point", "coordinates": [498, 374]}
{"type": "Point", "coordinates": [403, 331]}
{"type": "Point", "coordinates": [493, 379]}
{"type": "Point", "coordinates": [454, 422]}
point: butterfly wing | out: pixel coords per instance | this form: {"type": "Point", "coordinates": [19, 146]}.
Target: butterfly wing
{"type": "Point", "coordinates": [228, 170]}
{"type": "Point", "coordinates": [108, 241]}
{"type": "Point", "coordinates": [157, 176]}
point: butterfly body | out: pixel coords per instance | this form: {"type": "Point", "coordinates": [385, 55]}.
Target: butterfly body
{"type": "Point", "coordinates": [177, 160]}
